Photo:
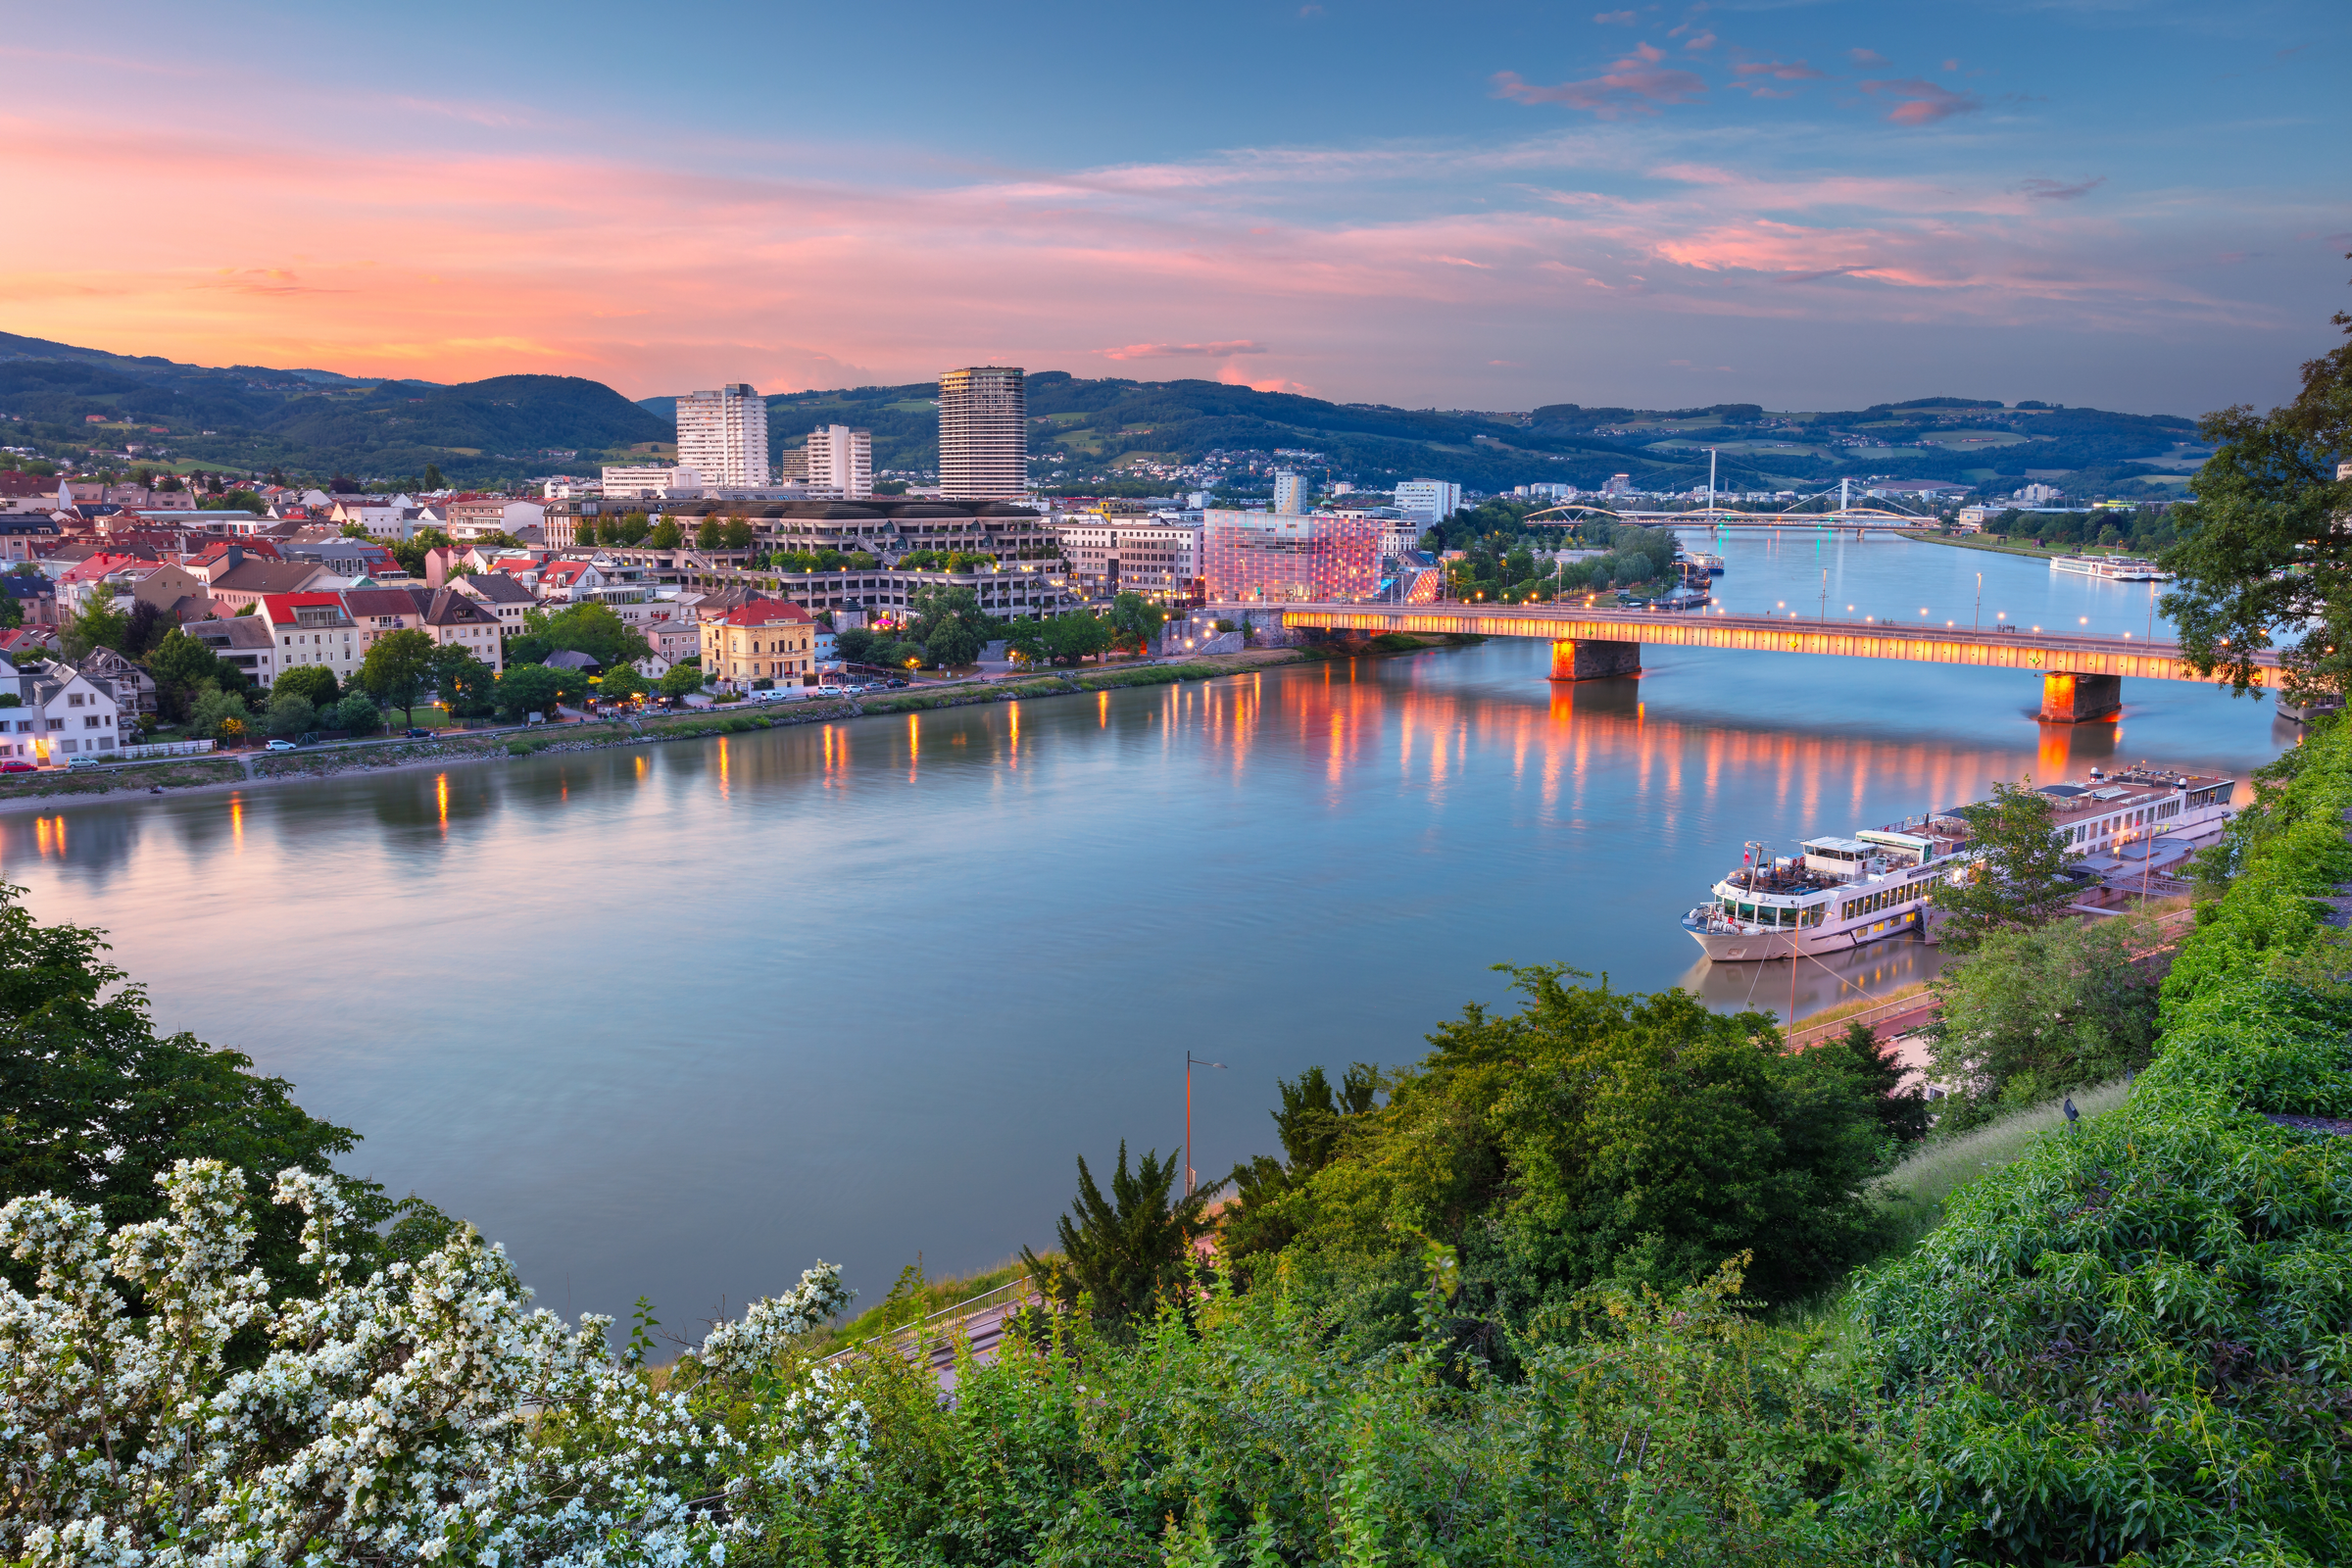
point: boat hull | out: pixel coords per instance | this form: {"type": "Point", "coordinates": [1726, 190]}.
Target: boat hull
{"type": "Point", "coordinates": [1760, 947]}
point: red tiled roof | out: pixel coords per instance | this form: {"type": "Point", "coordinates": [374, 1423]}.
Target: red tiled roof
{"type": "Point", "coordinates": [282, 607]}
{"type": "Point", "coordinates": [766, 613]}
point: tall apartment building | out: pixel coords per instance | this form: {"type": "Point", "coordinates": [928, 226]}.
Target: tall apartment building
{"type": "Point", "coordinates": [840, 459]}
{"type": "Point", "coordinates": [722, 436]}
{"type": "Point", "coordinates": [1289, 491]}
{"type": "Point", "coordinates": [984, 433]}
{"type": "Point", "coordinates": [1433, 499]}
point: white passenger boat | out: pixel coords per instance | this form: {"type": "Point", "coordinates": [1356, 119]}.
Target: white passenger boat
{"type": "Point", "coordinates": [2111, 568]}
{"type": "Point", "coordinates": [1844, 891]}
{"type": "Point", "coordinates": [1707, 558]}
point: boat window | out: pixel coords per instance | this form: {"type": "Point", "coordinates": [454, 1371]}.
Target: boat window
{"type": "Point", "coordinates": [1731, 906]}
{"type": "Point", "coordinates": [1748, 911]}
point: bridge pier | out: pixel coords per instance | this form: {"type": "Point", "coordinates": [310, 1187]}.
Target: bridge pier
{"type": "Point", "coordinates": [1587, 658]}
{"type": "Point", "coordinates": [2079, 698]}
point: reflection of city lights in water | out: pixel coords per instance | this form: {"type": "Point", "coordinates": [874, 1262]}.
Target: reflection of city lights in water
{"type": "Point", "coordinates": [47, 835]}
{"type": "Point", "coordinates": [640, 769]}
{"type": "Point", "coordinates": [236, 821]}
{"type": "Point", "coordinates": [722, 767]}
{"type": "Point", "coordinates": [441, 800]}
{"type": "Point", "coordinates": [914, 744]}
{"type": "Point", "coordinates": [1013, 711]}
{"type": "Point", "coordinates": [1103, 710]}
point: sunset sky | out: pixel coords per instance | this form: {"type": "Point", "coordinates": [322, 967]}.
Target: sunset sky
{"type": "Point", "coordinates": [1486, 205]}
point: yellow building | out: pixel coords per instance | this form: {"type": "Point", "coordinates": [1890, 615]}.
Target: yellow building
{"type": "Point", "coordinates": [767, 638]}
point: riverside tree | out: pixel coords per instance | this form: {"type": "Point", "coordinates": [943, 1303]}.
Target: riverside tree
{"type": "Point", "coordinates": [2017, 881]}
{"type": "Point", "coordinates": [398, 666]}
{"type": "Point", "coordinates": [2265, 550]}
{"type": "Point", "coordinates": [1125, 1256]}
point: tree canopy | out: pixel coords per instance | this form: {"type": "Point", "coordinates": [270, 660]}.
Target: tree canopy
{"type": "Point", "coordinates": [2017, 880]}
{"type": "Point", "coordinates": [396, 668]}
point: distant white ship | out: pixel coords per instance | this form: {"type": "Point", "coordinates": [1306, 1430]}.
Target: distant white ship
{"type": "Point", "coordinates": [2114, 569]}
{"type": "Point", "coordinates": [1707, 558]}
{"type": "Point", "coordinates": [1841, 892]}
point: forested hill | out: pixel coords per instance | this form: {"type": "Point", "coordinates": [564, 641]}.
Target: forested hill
{"type": "Point", "coordinates": [1091, 430]}
{"type": "Point", "coordinates": [63, 401]}
{"type": "Point", "coordinates": [60, 401]}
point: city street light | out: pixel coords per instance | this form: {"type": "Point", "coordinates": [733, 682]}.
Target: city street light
{"type": "Point", "coordinates": [1190, 1062]}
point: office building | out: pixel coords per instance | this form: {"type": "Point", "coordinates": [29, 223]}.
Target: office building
{"type": "Point", "coordinates": [645, 482]}
{"type": "Point", "coordinates": [1289, 491]}
{"type": "Point", "coordinates": [1254, 556]}
{"type": "Point", "coordinates": [722, 436]}
{"type": "Point", "coordinates": [1158, 556]}
{"type": "Point", "coordinates": [1433, 499]}
{"type": "Point", "coordinates": [984, 433]}
{"type": "Point", "coordinates": [841, 460]}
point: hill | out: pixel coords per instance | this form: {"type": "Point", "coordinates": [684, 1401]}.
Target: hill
{"type": "Point", "coordinates": [1110, 434]}
{"type": "Point", "coordinates": [1090, 431]}
{"type": "Point", "coordinates": [64, 401]}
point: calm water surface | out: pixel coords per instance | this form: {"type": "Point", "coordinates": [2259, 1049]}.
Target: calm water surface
{"type": "Point", "coordinates": [680, 1020]}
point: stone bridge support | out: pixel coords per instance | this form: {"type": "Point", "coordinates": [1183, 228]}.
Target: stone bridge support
{"type": "Point", "coordinates": [1573, 659]}
{"type": "Point", "coordinates": [2079, 698]}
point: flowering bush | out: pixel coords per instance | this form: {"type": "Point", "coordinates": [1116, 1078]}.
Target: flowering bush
{"type": "Point", "coordinates": [425, 1413]}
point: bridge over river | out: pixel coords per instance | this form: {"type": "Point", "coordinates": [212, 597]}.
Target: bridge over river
{"type": "Point", "coordinates": [2081, 676]}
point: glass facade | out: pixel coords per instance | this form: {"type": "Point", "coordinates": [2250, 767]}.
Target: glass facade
{"type": "Point", "coordinates": [1251, 556]}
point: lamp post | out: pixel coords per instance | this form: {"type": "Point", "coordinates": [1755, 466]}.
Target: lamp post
{"type": "Point", "coordinates": [1190, 1062]}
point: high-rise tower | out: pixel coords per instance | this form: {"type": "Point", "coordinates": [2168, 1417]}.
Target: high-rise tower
{"type": "Point", "coordinates": [984, 433]}
{"type": "Point", "coordinates": [722, 436]}
{"type": "Point", "coordinates": [842, 460]}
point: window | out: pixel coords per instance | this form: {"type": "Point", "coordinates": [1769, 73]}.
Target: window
{"type": "Point", "coordinates": [74, 700]}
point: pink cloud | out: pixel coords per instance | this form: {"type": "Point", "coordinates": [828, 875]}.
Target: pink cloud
{"type": "Point", "coordinates": [1614, 18]}
{"type": "Point", "coordinates": [1182, 351]}
{"type": "Point", "coordinates": [2051, 190]}
{"type": "Point", "coordinates": [1634, 85]}
{"type": "Point", "coordinates": [1869, 59]}
{"type": "Point", "coordinates": [1923, 102]}
{"type": "Point", "coordinates": [1782, 69]}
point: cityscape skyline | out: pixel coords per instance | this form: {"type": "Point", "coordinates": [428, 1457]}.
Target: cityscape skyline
{"type": "Point", "coordinates": [1664, 206]}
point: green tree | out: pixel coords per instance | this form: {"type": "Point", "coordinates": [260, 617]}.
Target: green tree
{"type": "Point", "coordinates": [147, 627]}
{"type": "Point", "coordinates": [358, 715]}
{"type": "Point", "coordinates": [97, 624]}
{"type": "Point", "coordinates": [706, 534]}
{"type": "Point", "coordinates": [2265, 552]}
{"type": "Point", "coordinates": [627, 529]}
{"type": "Point", "coordinates": [432, 477]}
{"type": "Point", "coordinates": [587, 628]}
{"type": "Point", "coordinates": [1904, 1115]}
{"type": "Point", "coordinates": [396, 668]}
{"type": "Point", "coordinates": [2030, 1013]}
{"type": "Point", "coordinates": [584, 534]}
{"type": "Point", "coordinates": [666, 535]}
{"type": "Point", "coordinates": [681, 680]}
{"type": "Point", "coordinates": [1071, 638]}
{"type": "Point", "coordinates": [1310, 1124]}
{"type": "Point", "coordinates": [216, 715]}
{"type": "Point", "coordinates": [290, 714]}
{"type": "Point", "coordinates": [1126, 1255]}
{"type": "Point", "coordinates": [1594, 1136]}
{"type": "Point", "coordinates": [950, 624]}
{"type": "Point", "coordinates": [528, 689]}
{"type": "Point", "coordinates": [621, 683]}
{"type": "Point", "coordinates": [1135, 620]}
{"type": "Point", "coordinates": [856, 645]}
{"type": "Point", "coordinates": [737, 534]}
{"type": "Point", "coordinates": [181, 664]}
{"type": "Point", "coordinates": [411, 550]}
{"type": "Point", "coordinates": [463, 682]}
{"type": "Point", "coordinates": [316, 682]}
{"type": "Point", "coordinates": [2017, 879]}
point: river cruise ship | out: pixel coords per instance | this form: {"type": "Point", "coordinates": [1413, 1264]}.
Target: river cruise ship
{"type": "Point", "coordinates": [1840, 893]}
{"type": "Point", "coordinates": [2111, 568]}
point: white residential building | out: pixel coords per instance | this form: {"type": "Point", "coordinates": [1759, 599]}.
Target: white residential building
{"type": "Point", "coordinates": [1289, 491]}
{"type": "Point", "coordinates": [1157, 557]}
{"type": "Point", "coordinates": [1433, 499]}
{"type": "Point", "coordinates": [2039, 495]}
{"type": "Point", "coordinates": [722, 436]}
{"type": "Point", "coordinates": [984, 433]}
{"type": "Point", "coordinates": [62, 715]}
{"type": "Point", "coordinates": [841, 460]}
{"type": "Point", "coordinates": [653, 484]}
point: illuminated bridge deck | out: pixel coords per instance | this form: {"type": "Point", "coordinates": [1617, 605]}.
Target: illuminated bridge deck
{"type": "Point", "coordinates": [2026, 652]}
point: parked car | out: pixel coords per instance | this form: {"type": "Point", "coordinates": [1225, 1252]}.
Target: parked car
{"type": "Point", "coordinates": [81, 762]}
{"type": "Point", "coordinates": [18, 767]}
{"type": "Point", "coordinates": [416, 734]}
{"type": "Point", "coordinates": [897, 681]}
{"type": "Point", "coordinates": [281, 746]}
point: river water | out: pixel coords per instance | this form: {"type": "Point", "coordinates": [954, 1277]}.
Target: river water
{"type": "Point", "coordinates": [681, 1019]}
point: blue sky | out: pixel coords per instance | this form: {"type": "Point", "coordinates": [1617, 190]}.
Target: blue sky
{"type": "Point", "coordinates": [2141, 206]}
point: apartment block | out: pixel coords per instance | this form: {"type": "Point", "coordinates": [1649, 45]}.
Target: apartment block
{"type": "Point", "coordinates": [722, 436]}
{"type": "Point", "coordinates": [1156, 555]}
{"type": "Point", "coordinates": [841, 460]}
{"type": "Point", "coordinates": [1433, 499]}
{"type": "Point", "coordinates": [1289, 491]}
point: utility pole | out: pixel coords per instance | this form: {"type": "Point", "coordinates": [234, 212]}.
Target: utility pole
{"type": "Point", "coordinates": [1711, 517]}
{"type": "Point", "coordinates": [1190, 1062]}
{"type": "Point", "coordinates": [1980, 620]}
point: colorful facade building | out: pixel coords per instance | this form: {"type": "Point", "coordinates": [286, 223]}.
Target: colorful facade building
{"type": "Point", "coordinates": [1252, 556]}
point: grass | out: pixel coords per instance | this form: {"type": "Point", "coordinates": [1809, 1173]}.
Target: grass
{"type": "Point", "coordinates": [172, 772]}
{"type": "Point", "coordinates": [1914, 1194]}
{"type": "Point", "coordinates": [1846, 1009]}
{"type": "Point", "coordinates": [904, 1305]}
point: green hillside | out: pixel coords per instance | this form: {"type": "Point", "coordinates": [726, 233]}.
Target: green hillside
{"type": "Point", "coordinates": [1141, 437]}
{"type": "Point", "coordinates": [306, 423]}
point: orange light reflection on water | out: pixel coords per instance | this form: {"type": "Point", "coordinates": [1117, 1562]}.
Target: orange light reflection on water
{"type": "Point", "coordinates": [441, 800]}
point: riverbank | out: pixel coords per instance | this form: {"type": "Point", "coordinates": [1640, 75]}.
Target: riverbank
{"type": "Point", "coordinates": [217, 772]}
{"type": "Point", "coordinates": [1996, 545]}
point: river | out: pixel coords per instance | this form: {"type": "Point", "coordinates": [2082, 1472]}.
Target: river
{"type": "Point", "coordinates": [680, 1020]}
